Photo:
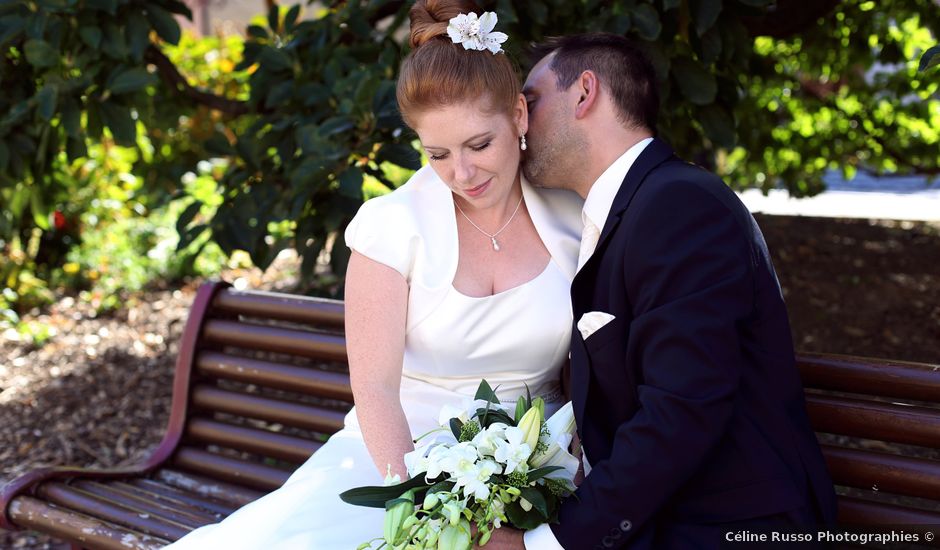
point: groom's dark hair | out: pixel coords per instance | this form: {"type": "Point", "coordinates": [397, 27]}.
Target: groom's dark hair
{"type": "Point", "coordinates": [620, 65]}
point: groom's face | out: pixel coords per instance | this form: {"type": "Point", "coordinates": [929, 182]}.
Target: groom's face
{"type": "Point", "coordinates": [554, 142]}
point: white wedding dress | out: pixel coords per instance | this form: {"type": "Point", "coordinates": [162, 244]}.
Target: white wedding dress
{"type": "Point", "coordinates": [512, 339]}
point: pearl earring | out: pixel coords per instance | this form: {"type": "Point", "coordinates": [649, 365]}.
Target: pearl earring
{"type": "Point", "coordinates": [522, 144]}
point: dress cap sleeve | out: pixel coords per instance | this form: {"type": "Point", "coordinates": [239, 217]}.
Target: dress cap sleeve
{"type": "Point", "coordinates": [383, 231]}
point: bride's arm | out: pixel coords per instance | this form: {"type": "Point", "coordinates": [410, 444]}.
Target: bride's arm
{"type": "Point", "coordinates": [376, 308]}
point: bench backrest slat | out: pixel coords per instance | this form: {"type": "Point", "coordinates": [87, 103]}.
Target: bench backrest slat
{"type": "Point", "coordinates": [252, 440]}
{"type": "Point", "coordinates": [333, 385]}
{"type": "Point", "coordinates": [908, 424]}
{"type": "Point", "coordinates": [244, 473]}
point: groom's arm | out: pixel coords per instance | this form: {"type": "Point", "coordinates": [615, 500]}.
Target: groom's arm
{"type": "Point", "coordinates": [688, 275]}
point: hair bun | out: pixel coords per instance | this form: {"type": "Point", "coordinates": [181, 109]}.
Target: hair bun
{"type": "Point", "coordinates": [429, 18]}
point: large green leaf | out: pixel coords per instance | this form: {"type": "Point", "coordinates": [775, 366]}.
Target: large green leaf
{"type": "Point", "coordinates": [109, 6]}
{"type": "Point", "coordinates": [91, 36]}
{"type": "Point", "coordinates": [646, 22]}
{"type": "Point", "coordinates": [40, 54]}
{"type": "Point", "coordinates": [137, 34]}
{"type": "Point", "coordinates": [48, 98]}
{"type": "Point", "coordinates": [131, 80]}
{"type": "Point", "coordinates": [697, 84]}
{"type": "Point", "coordinates": [350, 183]}
{"type": "Point", "coordinates": [931, 58]}
{"type": "Point", "coordinates": [122, 125]}
{"type": "Point", "coordinates": [164, 23]}
{"type": "Point", "coordinates": [705, 13]}
{"type": "Point", "coordinates": [10, 27]}
{"type": "Point", "coordinates": [376, 497]}
{"type": "Point", "coordinates": [273, 59]}
{"type": "Point", "coordinates": [401, 154]}
{"type": "Point", "coordinates": [718, 125]}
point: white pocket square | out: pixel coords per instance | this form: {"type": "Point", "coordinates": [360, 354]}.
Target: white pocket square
{"type": "Point", "coordinates": [591, 321]}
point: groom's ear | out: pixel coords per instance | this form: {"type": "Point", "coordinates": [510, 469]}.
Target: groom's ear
{"type": "Point", "coordinates": [588, 88]}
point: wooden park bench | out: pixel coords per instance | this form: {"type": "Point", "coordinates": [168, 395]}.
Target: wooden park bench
{"type": "Point", "coordinates": [261, 382]}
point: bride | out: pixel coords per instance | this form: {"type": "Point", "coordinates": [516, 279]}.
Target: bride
{"type": "Point", "coordinates": [462, 273]}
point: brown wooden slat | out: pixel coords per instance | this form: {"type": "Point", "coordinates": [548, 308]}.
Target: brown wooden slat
{"type": "Point", "coordinates": [258, 476]}
{"type": "Point", "coordinates": [869, 376]}
{"type": "Point", "coordinates": [855, 511]}
{"type": "Point", "coordinates": [275, 339]}
{"type": "Point", "coordinates": [311, 381]}
{"type": "Point", "coordinates": [114, 512]}
{"type": "Point", "coordinates": [873, 420]}
{"type": "Point", "coordinates": [235, 494]}
{"type": "Point", "coordinates": [165, 497]}
{"type": "Point", "coordinates": [286, 307]}
{"type": "Point", "coordinates": [261, 442]}
{"type": "Point", "coordinates": [145, 503]}
{"type": "Point", "coordinates": [32, 513]}
{"type": "Point", "coordinates": [298, 415]}
{"type": "Point", "coordinates": [888, 473]}
{"type": "Point", "coordinates": [170, 494]}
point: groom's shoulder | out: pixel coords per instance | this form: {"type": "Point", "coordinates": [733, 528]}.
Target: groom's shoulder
{"type": "Point", "coordinates": [676, 177]}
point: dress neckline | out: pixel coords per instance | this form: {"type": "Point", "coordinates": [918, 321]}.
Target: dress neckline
{"type": "Point", "coordinates": [508, 290]}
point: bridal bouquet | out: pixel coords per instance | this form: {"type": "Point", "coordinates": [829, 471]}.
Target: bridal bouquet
{"type": "Point", "coordinates": [487, 465]}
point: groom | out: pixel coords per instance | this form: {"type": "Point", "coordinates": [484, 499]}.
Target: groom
{"type": "Point", "coordinates": [687, 398]}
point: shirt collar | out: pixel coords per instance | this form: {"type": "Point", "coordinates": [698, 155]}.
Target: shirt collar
{"type": "Point", "coordinates": [601, 196]}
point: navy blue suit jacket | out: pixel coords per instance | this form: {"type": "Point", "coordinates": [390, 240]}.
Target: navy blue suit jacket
{"type": "Point", "coordinates": [689, 404]}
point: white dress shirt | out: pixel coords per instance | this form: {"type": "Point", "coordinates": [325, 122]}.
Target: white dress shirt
{"type": "Point", "coordinates": [596, 209]}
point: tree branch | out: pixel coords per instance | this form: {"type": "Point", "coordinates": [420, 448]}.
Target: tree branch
{"type": "Point", "coordinates": [175, 81]}
{"type": "Point", "coordinates": [788, 17]}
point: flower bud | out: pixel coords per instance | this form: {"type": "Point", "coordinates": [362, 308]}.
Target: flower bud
{"type": "Point", "coordinates": [430, 500]}
{"type": "Point", "coordinates": [395, 517]}
{"type": "Point", "coordinates": [455, 537]}
{"type": "Point", "coordinates": [531, 426]}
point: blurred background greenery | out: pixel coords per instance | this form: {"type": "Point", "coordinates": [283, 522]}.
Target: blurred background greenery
{"type": "Point", "coordinates": [131, 151]}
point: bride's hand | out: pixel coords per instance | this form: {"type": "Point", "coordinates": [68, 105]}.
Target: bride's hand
{"type": "Point", "coordinates": [505, 538]}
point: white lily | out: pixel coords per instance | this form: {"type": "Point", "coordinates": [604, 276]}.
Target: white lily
{"type": "Point", "coordinates": [560, 427]}
{"type": "Point", "coordinates": [512, 451]}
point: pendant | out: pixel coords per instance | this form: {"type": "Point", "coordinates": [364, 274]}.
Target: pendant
{"type": "Point", "coordinates": [495, 245]}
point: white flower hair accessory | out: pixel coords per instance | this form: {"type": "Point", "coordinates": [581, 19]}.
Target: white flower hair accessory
{"type": "Point", "coordinates": [474, 33]}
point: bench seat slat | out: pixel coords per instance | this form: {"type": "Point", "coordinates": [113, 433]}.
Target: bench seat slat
{"type": "Point", "coordinates": [32, 513]}
{"type": "Point", "coordinates": [231, 493]}
{"type": "Point", "coordinates": [285, 307]}
{"type": "Point", "coordinates": [883, 472]}
{"type": "Point", "coordinates": [145, 502]}
{"type": "Point", "coordinates": [173, 495]}
{"type": "Point", "coordinates": [274, 339]}
{"type": "Point", "coordinates": [251, 474]}
{"type": "Point", "coordinates": [873, 420]}
{"type": "Point", "coordinates": [275, 375]}
{"type": "Point", "coordinates": [856, 511]}
{"type": "Point", "coordinates": [298, 415]}
{"type": "Point", "coordinates": [898, 379]}
{"type": "Point", "coordinates": [261, 442]}
{"type": "Point", "coordinates": [114, 512]}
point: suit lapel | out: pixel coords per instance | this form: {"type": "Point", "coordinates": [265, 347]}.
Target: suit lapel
{"type": "Point", "coordinates": [655, 154]}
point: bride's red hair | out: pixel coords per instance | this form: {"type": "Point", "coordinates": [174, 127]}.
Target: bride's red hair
{"type": "Point", "coordinates": [438, 72]}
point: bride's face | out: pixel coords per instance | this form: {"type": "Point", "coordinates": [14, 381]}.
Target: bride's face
{"type": "Point", "coordinates": [474, 150]}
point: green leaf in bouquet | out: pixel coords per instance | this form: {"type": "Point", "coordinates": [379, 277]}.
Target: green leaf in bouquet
{"type": "Point", "coordinates": [455, 427]}
{"type": "Point", "coordinates": [521, 519]}
{"type": "Point", "coordinates": [378, 496]}
{"type": "Point", "coordinates": [488, 417]}
{"type": "Point", "coordinates": [539, 504]}
{"type": "Point", "coordinates": [520, 410]}
{"type": "Point", "coordinates": [539, 473]}
{"type": "Point", "coordinates": [486, 393]}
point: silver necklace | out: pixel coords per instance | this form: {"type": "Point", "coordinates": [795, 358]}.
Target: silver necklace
{"type": "Point", "coordinates": [492, 236]}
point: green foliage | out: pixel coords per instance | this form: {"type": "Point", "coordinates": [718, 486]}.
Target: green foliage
{"type": "Point", "coordinates": [303, 112]}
